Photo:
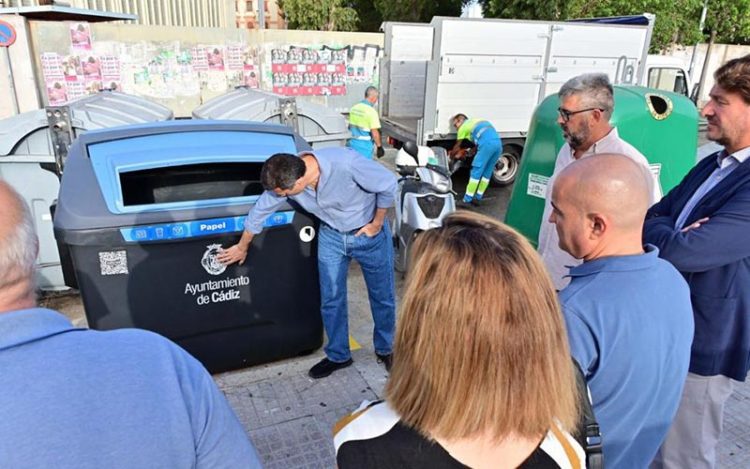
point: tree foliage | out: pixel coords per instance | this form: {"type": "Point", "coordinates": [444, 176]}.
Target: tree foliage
{"type": "Point", "coordinates": [370, 18]}
{"type": "Point", "coordinates": [526, 9]}
{"type": "Point", "coordinates": [676, 20]}
{"type": "Point", "coordinates": [420, 11]}
{"type": "Point", "coordinates": [730, 19]}
{"type": "Point", "coordinates": [321, 15]}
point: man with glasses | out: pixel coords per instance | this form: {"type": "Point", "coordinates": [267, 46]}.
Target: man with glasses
{"type": "Point", "coordinates": [586, 105]}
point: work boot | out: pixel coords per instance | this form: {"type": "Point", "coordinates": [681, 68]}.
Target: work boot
{"type": "Point", "coordinates": [325, 367]}
{"type": "Point", "coordinates": [462, 204]}
{"type": "Point", "coordinates": [386, 360]}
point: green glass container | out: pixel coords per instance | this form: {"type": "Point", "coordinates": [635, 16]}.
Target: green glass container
{"type": "Point", "coordinates": [661, 125]}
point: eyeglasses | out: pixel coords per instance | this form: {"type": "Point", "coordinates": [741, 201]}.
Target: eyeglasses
{"type": "Point", "coordinates": [565, 114]}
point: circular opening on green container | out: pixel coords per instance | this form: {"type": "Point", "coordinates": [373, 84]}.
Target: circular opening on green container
{"type": "Point", "coordinates": [659, 106]}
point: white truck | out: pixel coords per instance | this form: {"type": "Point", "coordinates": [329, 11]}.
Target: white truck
{"type": "Point", "coordinates": [500, 70]}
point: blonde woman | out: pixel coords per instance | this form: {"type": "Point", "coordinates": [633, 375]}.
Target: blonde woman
{"type": "Point", "coordinates": [482, 375]}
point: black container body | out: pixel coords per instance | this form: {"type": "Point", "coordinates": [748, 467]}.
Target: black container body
{"type": "Point", "coordinates": [264, 310]}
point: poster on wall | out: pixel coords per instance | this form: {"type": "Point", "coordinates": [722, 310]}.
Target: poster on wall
{"type": "Point", "coordinates": [76, 89]}
{"type": "Point", "coordinates": [51, 66]}
{"type": "Point", "coordinates": [235, 57]}
{"type": "Point", "coordinates": [72, 68]}
{"type": "Point", "coordinates": [57, 92]}
{"type": "Point", "coordinates": [53, 74]}
{"type": "Point", "coordinates": [199, 58]}
{"type": "Point", "coordinates": [298, 71]}
{"type": "Point", "coordinates": [80, 36]}
{"type": "Point", "coordinates": [250, 77]}
{"type": "Point", "coordinates": [215, 57]}
{"type": "Point", "coordinates": [92, 68]}
{"type": "Point", "coordinates": [111, 72]}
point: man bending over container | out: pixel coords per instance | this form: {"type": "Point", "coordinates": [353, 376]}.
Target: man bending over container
{"type": "Point", "coordinates": [482, 134]}
{"type": "Point", "coordinates": [350, 195]}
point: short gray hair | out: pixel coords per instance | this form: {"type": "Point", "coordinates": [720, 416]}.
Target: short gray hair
{"type": "Point", "coordinates": [595, 90]}
{"type": "Point", "coordinates": [18, 249]}
{"type": "Point", "coordinates": [370, 91]}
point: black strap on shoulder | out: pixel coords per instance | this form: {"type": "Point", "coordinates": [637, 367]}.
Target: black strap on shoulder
{"type": "Point", "coordinates": [588, 435]}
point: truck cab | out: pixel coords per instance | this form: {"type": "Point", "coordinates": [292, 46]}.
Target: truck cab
{"type": "Point", "coordinates": [667, 74]}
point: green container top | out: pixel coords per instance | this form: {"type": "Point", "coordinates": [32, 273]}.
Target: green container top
{"type": "Point", "coordinates": [661, 125]}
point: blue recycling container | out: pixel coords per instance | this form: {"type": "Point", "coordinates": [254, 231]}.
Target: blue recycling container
{"type": "Point", "coordinates": [143, 211]}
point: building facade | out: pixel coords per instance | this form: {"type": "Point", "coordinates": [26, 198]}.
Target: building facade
{"type": "Point", "coordinates": [188, 13]}
{"type": "Point", "coordinates": [247, 14]}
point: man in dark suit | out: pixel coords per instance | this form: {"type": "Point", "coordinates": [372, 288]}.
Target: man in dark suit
{"type": "Point", "coordinates": [703, 227]}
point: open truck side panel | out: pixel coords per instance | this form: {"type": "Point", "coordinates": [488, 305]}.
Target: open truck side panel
{"type": "Point", "coordinates": [403, 74]}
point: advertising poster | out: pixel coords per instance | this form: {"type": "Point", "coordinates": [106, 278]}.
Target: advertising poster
{"type": "Point", "coordinates": [72, 68]}
{"type": "Point", "coordinates": [57, 92]}
{"type": "Point", "coordinates": [215, 56]}
{"type": "Point", "coordinates": [92, 68]}
{"type": "Point", "coordinates": [199, 59]}
{"type": "Point", "coordinates": [235, 57]}
{"type": "Point", "coordinates": [80, 36]}
{"type": "Point", "coordinates": [76, 89]}
{"type": "Point", "coordinates": [300, 71]}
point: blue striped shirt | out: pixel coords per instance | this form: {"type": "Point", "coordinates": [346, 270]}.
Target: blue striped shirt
{"type": "Point", "coordinates": [725, 164]}
{"type": "Point", "coordinates": [349, 190]}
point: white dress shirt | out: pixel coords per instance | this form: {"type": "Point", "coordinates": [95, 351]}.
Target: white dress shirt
{"type": "Point", "coordinates": [555, 259]}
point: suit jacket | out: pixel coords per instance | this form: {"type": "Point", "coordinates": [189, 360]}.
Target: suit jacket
{"type": "Point", "coordinates": [715, 261]}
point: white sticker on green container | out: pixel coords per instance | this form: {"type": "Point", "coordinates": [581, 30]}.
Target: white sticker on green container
{"type": "Point", "coordinates": [656, 171]}
{"type": "Point", "coordinates": [537, 185]}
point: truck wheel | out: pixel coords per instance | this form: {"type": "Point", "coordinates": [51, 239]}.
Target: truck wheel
{"type": "Point", "coordinates": [506, 167]}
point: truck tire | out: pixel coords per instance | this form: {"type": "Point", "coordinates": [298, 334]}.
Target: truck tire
{"type": "Point", "coordinates": [507, 166]}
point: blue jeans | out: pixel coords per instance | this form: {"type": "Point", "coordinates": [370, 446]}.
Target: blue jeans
{"type": "Point", "coordinates": [375, 256]}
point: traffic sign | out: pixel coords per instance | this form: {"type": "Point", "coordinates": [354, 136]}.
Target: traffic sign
{"type": "Point", "coordinates": [7, 34]}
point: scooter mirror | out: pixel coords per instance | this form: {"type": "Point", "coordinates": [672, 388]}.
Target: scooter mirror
{"type": "Point", "coordinates": [412, 150]}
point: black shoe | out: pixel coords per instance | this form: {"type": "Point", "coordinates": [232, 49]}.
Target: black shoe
{"type": "Point", "coordinates": [325, 367]}
{"type": "Point", "coordinates": [386, 360]}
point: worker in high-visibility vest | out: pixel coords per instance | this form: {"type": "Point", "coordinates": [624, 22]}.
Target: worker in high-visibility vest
{"type": "Point", "coordinates": [364, 124]}
{"type": "Point", "coordinates": [481, 134]}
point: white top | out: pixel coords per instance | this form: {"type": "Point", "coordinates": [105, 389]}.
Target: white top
{"type": "Point", "coordinates": [555, 259]}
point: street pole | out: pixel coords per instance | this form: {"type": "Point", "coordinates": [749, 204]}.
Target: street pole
{"type": "Point", "coordinates": [700, 29]}
{"type": "Point", "coordinates": [12, 81]}
{"type": "Point", "coordinates": [704, 72]}
{"type": "Point", "coordinates": [262, 14]}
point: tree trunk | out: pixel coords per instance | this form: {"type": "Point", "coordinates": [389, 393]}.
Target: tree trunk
{"type": "Point", "coordinates": [704, 71]}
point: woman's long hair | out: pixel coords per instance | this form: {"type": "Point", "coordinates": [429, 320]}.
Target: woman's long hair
{"type": "Point", "coordinates": [480, 343]}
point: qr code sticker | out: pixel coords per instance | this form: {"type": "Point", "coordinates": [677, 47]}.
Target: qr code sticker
{"type": "Point", "coordinates": [113, 262]}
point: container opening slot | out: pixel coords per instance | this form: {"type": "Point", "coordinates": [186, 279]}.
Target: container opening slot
{"type": "Point", "coordinates": [190, 183]}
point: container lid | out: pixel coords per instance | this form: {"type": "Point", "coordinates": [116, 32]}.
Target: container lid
{"type": "Point", "coordinates": [164, 172]}
{"type": "Point", "coordinates": [260, 106]}
{"type": "Point", "coordinates": [98, 111]}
